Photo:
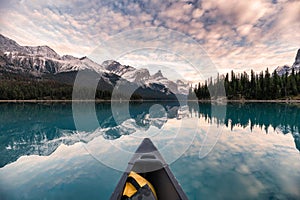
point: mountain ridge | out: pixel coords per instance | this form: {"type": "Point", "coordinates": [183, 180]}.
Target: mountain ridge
{"type": "Point", "coordinates": [43, 61]}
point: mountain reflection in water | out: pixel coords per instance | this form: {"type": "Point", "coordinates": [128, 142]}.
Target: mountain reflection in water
{"type": "Point", "coordinates": [30, 128]}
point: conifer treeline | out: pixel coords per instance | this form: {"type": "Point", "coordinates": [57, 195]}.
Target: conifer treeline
{"type": "Point", "coordinates": [262, 86]}
{"type": "Point", "coordinates": [16, 87]}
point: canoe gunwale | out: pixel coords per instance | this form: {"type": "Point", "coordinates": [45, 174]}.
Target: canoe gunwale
{"type": "Point", "coordinates": [167, 187]}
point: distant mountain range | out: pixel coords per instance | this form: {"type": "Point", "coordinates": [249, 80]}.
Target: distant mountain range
{"type": "Point", "coordinates": [281, 70]}
{"type": "Point", "coordinates": [42, 62]}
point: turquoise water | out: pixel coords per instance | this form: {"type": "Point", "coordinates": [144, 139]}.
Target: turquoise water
{"type": "Point", "coordinates": [233, 151]}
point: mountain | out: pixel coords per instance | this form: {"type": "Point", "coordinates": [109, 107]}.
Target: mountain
{"type": "Point", "coordinates": [42, 62]}
{"type": "Point", "coordinates": [8, 45]}
{"type": "Point", "coordinates": [70, 63]}
{"type": "Point", "coordinates": [38, 60]}
{"type": "Point", "coordinates": [281, 70]}
{"type": "Point", "coordinates": [143, 78]}
{"type": "Point", "coordinates": [297, 60]}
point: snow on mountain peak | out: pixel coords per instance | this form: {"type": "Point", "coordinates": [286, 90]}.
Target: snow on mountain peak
{"type": "Point", "coordinates": [38, 60]}
{"type": "Point", "coordinates": [297, 61]}
{"type": "Point", "coordinates": [138, 75]}
{"type": "Point", "coordinates": [111, 64]}
{"type": "Point", "coordinates": [9, 45]}
{"type": "Point", "coordinates": [142, 77]}
{"type": "Point", "coordinates": [71, 63]}
{"type": "Point", "coordinates": [42, 51]}
{"type": "Point", "coordinates": [68, 57]}
{"type": "Point", "coordinates": [281, 70]}
{"type": "Point", "coordinates": [43, 59]}
{"type": "Point", "coordinates": [116, 68]}
{"type": "Point", "coordinates": [158, 74]}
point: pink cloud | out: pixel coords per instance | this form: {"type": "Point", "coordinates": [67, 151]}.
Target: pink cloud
{"type": "Point", "coordinates": [235, 34]}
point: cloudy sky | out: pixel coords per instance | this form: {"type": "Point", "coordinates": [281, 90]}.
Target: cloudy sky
{"type": "Point", "coordinates": [239, 35]}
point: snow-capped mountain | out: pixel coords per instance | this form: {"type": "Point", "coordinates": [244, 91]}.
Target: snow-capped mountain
{"type": "Point", "coordinates": [281, 70]}
{"type": "Point", "coordinates": [142, 77]}
{"type": "Point", "coordinates": [42, 60]}
{"type": "Point", "coordinates": [38, 65]}
{"type": "Point", "coordinates": [37, 60]}
{"type": "Point", "coordinates": [9, 46]}
{"type": "Point", "coordinates": [42, 51]}
{"type": "Point", "coordinates": [129, 73]}
{"type": "Point", "coordinates": [178, 87]}
{"type": "Point", "coordinates": [70, 63]}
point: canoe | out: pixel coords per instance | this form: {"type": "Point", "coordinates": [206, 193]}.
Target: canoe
{"type": "Point", "coordinates": [148, 162]}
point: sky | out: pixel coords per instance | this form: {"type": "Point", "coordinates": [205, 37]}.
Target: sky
{"type": "Point", "coordinates": [183, 38]}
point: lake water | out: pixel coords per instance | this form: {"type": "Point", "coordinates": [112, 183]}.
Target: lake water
{"type": "Point", "coordinates": [233, 151]}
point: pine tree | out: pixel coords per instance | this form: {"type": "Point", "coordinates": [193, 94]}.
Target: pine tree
{"type": "Point", "coordinates": [252, 86]}
{"type": "Point", "coordinates": [275, 86]}
{"type": "Point", "coordinates": [267, 85]}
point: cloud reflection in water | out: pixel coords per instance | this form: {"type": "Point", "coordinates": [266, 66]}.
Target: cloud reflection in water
{"type": "Point", "coordinates": [246, 162]}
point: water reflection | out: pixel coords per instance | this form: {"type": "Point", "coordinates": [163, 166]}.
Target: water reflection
{"type": "Point", "coordinates": [30, 128]}
{"type": "Point", "coordinates": [27, 129]}
{"type": "Point", "coordinates": [284, 118]}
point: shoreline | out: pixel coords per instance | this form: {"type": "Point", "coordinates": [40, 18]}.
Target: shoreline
{"type": "Point", "coordinates": [253, 101]}
{"type": "Point", "coordinates": [141, 101]}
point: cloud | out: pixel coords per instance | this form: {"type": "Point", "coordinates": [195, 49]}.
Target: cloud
{"type": "Point", "coordinates": [235, 34]}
